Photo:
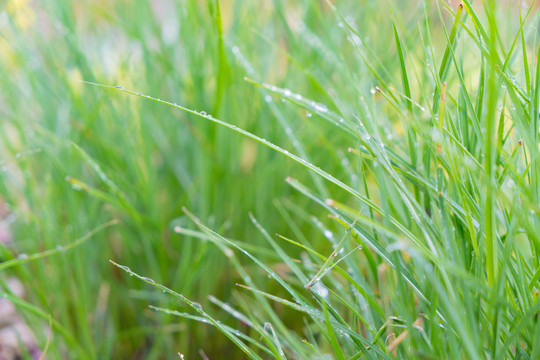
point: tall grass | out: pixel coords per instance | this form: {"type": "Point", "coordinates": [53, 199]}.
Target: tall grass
{"type": "Point", "coordinates": [320, 181]}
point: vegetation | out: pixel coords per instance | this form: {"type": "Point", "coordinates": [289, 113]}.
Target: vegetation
{"type": "Point", "coordinates": [322, 179]}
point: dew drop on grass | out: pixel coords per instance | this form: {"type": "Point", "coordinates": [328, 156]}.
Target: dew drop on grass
{"type": "Point", "coordinates": [22, 256]}
{"type": "Point", "coordinates": [203, 113]}
{"type": "Point", "coordinates": [373, 91]}
{"type": "Point", "coordinates": [328, 234]}
{"type": "Point", "coordinates": [282, 100]}
{"type": "Point", "coordinates": [76, 187]}
{"type": "Point", "coordinates": [308, 114]}
{"type": "Point", "coordinates": [149, 280]}
{"type": "Point", "coordinates": [268, 98]}
{"type": "Point", "coordinates": [197, 305]}
{"type": "Point", "coordinates": [287, 92]}
{"type": "Point", "coordinates": [321, 108]}
{"type": "Point", "coordinates": [320, 289]}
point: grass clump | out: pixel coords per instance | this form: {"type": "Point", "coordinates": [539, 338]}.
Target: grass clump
{"type": "Point", "coordinates": [407, 225]}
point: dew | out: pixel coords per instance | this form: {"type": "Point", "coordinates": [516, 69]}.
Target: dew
{"type": "Point", "coordinates": [119, 87]}
{"type": "Point", "coordinates": [298, 97]}
{"type": "Point", "coordinates": [340, 24]}
{"type": "Point", "coordinates": [321, 107]}
{"type": "Point", "coordinates": [149, 280]}
{"type": "Point", "coordinates": [373, 91]}
{"type": "Point", "coordinates": [282, 100]}
{"type": "Point", "coordinates": [76, 187]}
{"type": "Point", "coordinates": [328, 234]}
{"type": "Point", "coordinates": [228, 253]}
{"type": "Point", "coordinates": [59, 248]}
{"type": "Point", "coordinates": [22, 256]}
{"type": "Point", "coordinates": [203, 113]}
{"type": "Point", "coordinates": [268, 98]}
{"type": "Point", "coordinates": [287, 92]}
{"type": "Point", "coordinates": [209, 117]}
{"type": "Point", "coordinates": [320, 289]}
{"type": "Point", "coordinates": [308, 114]}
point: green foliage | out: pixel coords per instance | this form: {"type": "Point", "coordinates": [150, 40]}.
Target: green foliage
{"type": "Point", "coordinates": [408, 221]}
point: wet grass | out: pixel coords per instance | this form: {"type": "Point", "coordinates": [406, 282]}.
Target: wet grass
{"type": "Point", "coordinates": [280, 181]}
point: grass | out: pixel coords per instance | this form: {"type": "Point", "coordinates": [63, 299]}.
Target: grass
{"type": "Point", "coordinates": [319, 181]}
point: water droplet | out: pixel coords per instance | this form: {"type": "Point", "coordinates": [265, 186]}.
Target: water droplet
{"type": "Point", "coordinates": [76, 187]}
{"type": "Point", "coordinates": [373, 91]}
{"type": "Point", "coordinates": [22, 256]}
{"type": "Point", "coordinates": [268, 98]}
{"type": "Point", "coordinates": [321, 107]}
{"type": "Point", "coordinates": [308, 114]}
{"type": "Point", "coordinates": [320, 289]}
{"type": "Point", "coordinates": [203, 113]}
{"type": "Point", "coordinates": [328, 234]}
{"type": "Point", "coordinates": [287, 92]}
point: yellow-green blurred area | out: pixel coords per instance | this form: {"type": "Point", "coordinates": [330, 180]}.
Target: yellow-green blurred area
{"type": "Point", "coordinates": [75, 155]}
